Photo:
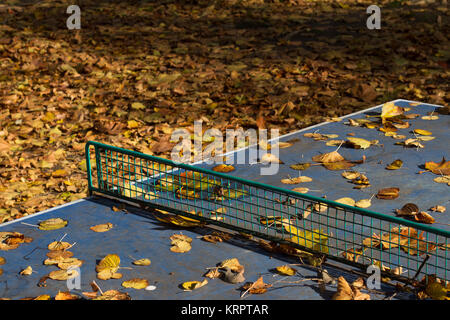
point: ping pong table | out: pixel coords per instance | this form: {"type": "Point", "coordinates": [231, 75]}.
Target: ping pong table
{"type": "Point", "coordinates": [137, 234]}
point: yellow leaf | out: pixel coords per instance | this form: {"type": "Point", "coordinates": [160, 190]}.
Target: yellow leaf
{"type": "Point", "coordinates": [180, 243]}
{"type": "Point", "coordinates": [390, 110]}
{"type": "Point", "coordinates": [58, 245]}
{"type": "Point", "coordinates": [346, 200]}
{"type": "Point", "coordinates": [301, 190]}
{"type": "Point", "coordinates": [142, 262]}
{"type": "Point", "coordinates": [232, 263]}
{"type": "Point", "coordinates": [132, 124]}
{"type": "Point", "coordinates": [430, 117]}
{"type": "Point", "coordinates": [223, 168]}
{"type": "Point", "coordinates": [113, 295]}
{"type": "Point", "coordinates": [69, 263]}
{"type": "Point", "coordinates": [27, 271]}
{"type": "Point", "coordinates": [344, 291]}
{"type": "Point", "coordinates": [52, 224]}
{"type": "Point", "coordinates": [136, 283]}
{"type": "Point", "coordinates": [436, 291]}
{"type": "Point", "coordinates": [102, 227]}
{"type": "Point", "coordinates": [192, 285]}
{"type": "Point", "coordinates": [286, 270]}
{"type": "Point", "coordinates": [296, 180]}
{"type": "Point", "coordinates": [66, 296]}
{"type": "Point", "coordinates": [108, 266]}
{"type": "Point", "coordinates": [359, 143]}
{"type": "Point", "coordinates": [328, 157]}
{"type": "Point", "coordinates": [270, 158]}
{"type": "Point", "coordinates": [423, 132]}
{"type": "Point", "coordinates": [137, 106]}
{"type": "Point", "coordinates": [133, 191]}
{"type": "Point", "coordinates": [363, 203]}
{"type": "Point", "coordinates": [396, 164]}
{"type": "Point", "coordinates": [63, 274]}
{"type": "Point", "coordinates": [59, 173]}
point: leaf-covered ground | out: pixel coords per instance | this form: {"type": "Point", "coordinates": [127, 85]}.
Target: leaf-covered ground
{"type": "Point", "coordinates": [138, 69]}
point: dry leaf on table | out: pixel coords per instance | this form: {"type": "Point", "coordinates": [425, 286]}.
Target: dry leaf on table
{"type": "Point", "coordinates": [102, 227]}
{"type": "Point", "coordinates": [136, 283]}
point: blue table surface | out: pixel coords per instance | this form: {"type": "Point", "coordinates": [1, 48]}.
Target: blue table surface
{"type": "Point", "coordinates": [137, 235]}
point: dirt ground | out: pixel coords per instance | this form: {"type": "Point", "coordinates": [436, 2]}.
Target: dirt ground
{"type": "Point", "coordinates": [137, 70]}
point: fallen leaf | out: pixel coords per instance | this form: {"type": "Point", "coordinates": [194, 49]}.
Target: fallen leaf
{"type": "Point", "coordinates": [232, 263]}
{"type": "Point", "coordinates": [296, 180]}
{"type": "Point", "coordinates": [257, 287]}
{"type": "Point", "coordinates": [180, 243]}
{"type": "Point", "coordinates": [27, 271]}
{"type": "Point", "coordinates": [102, 227]}
{"type": "Point", "coordinates": [58, 245]}
{"type": "Point", "coordinates": [270, 158]}
{"type": "Point", "coordinates": [59, 254]}
{"type": "Point", "coordinates": [423, 132]}
{"type": "Point", "coordinates": [436, 291]}
{"type": "Point", "coordinates": [300, 166]}
{"type": "Point", "coordinates": [301, 189]}
{"type": "Point", "coordinates": [347, 292]}
{"type": "Point", "coordinates": [108, 266]}
{"type": "Point", "coordinates": [354, 254]}
{"type": "Point", "coordinates": [136, 283]}
{"type": "Point", "coordinates": [225, 168]}
{"type": "Point", "coordinates": [435, 209]}
{"type": "Point", "coordinates": [211, 238]}
{"type": "Point", "coordinates": [346, 200]}
{"type": "Point", "coordinates": [363, 203]}
{"type": "Point", "coordinates": [442, 168]}
{"type": "Point", "coordinates": [113, 295]}
{"type": "Point", "coordinates": [351, 175]}
{"type": "Point", "coordinates": [63, 274]}
{"type": "Point", "coordinates": [69, 263]}
{"type": "Point", "coordinates": [132, 191]}
{"type": "Point", "coordinates": [396, 164]}
{"type": "Point", "coordinates": [409, 209]}
{"type": "Point", "coordinates": [390, 110]}
{"type": "Point", "coordinates": [359, 143]}
{"type": "Point", "coordinates": [286, 270]}
{"type": "Point", "coordinates": [52, 224]}
{"type": "Point", "coordinates": [388, 193]}
{"type": "Point", "coordinates": [443, 179]}
{"type": "Point", "coordinates": [66, 296]}
{"type": "Point", "coordinates": [213, 273]}
{"type": "Point", "coordinates": [12, 240]}
{"type": "Point", "coordinates": [424, 217]}
{"type": "Point", "coordinates": [328, 157]}
{"type": "Point", "coordinates": [142, 262]}
{"type": "Point", "coordinates": [425, 138]}
{"type": "Point", "coordinates": [192, 285]}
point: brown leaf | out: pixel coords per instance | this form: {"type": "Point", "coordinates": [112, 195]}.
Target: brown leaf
{"type": "Point", "coordinates": [424, 217]}
{"type": "Point", "coordinates": [66, 296]}
{"type": "Point", "coordinates": [257, 287]}
{"type": "Point", "coordinates": [409, 209]}
{"type": "Point", "coordinates": [441, 168]}
{"type": "Point", "coordinates": [328, 157]}
{"type": "Point", "coordinates": [102, 227]}
{"type": "Point", "coordinates": [163, 145]}
{"type": "Point", "coordinates": [388, 193]}
{"type": "Point", "coordinates": [344, 291]}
